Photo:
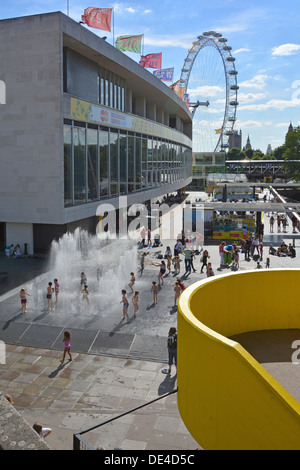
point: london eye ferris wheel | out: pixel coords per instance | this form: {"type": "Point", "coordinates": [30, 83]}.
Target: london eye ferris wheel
{"type": "Point", "coordinates": [209, 78]}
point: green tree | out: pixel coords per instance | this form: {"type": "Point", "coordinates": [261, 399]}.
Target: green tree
{"type": "Point", "coordinates": [249, 153]}
{"type": "Point", "coordinates": [235, 154]}
{"type": "Point", "coordinates": [292, 152]}
{"type": "Point", "coordinates": [278, 152]}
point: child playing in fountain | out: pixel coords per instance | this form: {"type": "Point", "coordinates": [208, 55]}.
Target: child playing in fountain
{"type": "Point", "coordinates": [56, 289]}
{"type": "Point", "coordinates": [154, 291]}
{"type": "Point", "coordinates": [23, 294]}
{"type": "Point", "coordinates": [132, 281]}
{"type": "Point", "coordinates": [85, 293]}
{"type": "Point", "coordinates": [135, 302]}
{"type": "Point", "coordinates": [67, 349]}
{"type": "Point", "coordinates": [125, 304]}
{"type": "Point", "coordinates": [83, 280]}
{"type": "Point", "coordinates": [50, 291]}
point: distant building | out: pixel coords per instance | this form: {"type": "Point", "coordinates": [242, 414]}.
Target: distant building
{"type": "Point", "coordinates": [235, 140]}
{"type": "Point", "coordinates": [248, 144]}
{"type": "Point", "coordinates": [269, 150]}
{"type": "Point", "coordinates": [290, 128]}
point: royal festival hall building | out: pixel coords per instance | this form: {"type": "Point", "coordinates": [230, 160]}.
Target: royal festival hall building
{"type": "Point", "coordinates": [82, 123]}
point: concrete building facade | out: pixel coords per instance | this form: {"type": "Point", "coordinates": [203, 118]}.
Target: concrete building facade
{"type": "Point", "coordinates": [82, 123]}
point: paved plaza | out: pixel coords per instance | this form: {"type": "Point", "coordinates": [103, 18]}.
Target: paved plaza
{"type": "Point", "coordinates": [116, 365]}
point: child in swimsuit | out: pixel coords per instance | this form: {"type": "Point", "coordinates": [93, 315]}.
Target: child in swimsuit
{"type": "Point", "coordinates": [66, 340]}
{"type": "Point", "coordinates": [135, 300]}
{"type": "Point", "coordinates": [125, 304]}
{"type": "Point", "coordinates": [50, 291]}
{"type": "Point", "coordinates": [177, 292]}
{"type": "Point", "coordinates": [23, 294]}
{"type": "Point", "coordinates": [85, 292]}
{"type": "Point", "coordinates": [56, 289]}
{"type": "Point", "coordinates": [154, 290]}
{"type": "Point", "coordinates": [132, 281]}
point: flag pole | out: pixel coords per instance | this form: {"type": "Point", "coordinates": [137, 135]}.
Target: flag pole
{"type": "Point", "coordinates": [113, 26]}
{"type": "Point", "coordinates": [68, 9]}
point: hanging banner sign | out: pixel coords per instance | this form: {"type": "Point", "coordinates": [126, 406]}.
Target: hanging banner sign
{"type": "Point", "coordinates": [165, 75]}
{"type": "Point", "coordinates": [151, 61]}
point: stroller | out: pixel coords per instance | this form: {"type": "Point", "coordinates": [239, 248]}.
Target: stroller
{"type": "Point", "coordinates": [157, 241]}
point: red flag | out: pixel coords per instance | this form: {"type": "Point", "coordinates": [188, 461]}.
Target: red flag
{"type": "Point", "coordinates": [99, 18]}
{"type": "Point", "coordinates": [151, 61]}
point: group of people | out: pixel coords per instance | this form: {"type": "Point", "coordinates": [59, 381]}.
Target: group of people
{"type": "Point", "coordinates": [12, 251]}
{"type": "Point", "coordinates": [135, 298]}
{"type": "Point", "coordinates": [52, 290]}
{"type": "Point", "coordinates": [283, 250]}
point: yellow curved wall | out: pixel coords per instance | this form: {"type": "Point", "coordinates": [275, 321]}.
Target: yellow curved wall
{"type": "Point", "coordinates": [226, 399]}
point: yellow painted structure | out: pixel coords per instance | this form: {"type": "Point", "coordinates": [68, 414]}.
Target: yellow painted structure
{"type": "Point", "coordinates": [226, 399]}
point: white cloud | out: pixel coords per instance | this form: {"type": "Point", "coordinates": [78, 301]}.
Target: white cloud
{"type": "Point", "coordinates": [243, 49]}
{"type": "Point", "coordinates": [130, 10]}
{"type": "Point", "coordinates": [249, 97]}
{"type": "Point", "coordinates": [205, 91]}
{"type": "Point", "coordinates": [258, 81]}
{"type": "Point", "coordinates": [286, 49]}
{"type": "Point", "coordinates": [275, 104]}
{"type": "Point", "coordinates": [147, 11]}
{"type": "Point", "coordinates": [252, 124]}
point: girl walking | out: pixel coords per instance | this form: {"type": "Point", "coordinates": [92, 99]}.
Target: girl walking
{"type": "Point", "coordinates": [67, 349]}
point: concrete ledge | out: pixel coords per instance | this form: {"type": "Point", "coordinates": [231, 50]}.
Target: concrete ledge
{"type": "Point", "coordinates": [15, 432]}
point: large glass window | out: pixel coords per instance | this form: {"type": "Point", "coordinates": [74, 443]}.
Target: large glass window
{"type": "Point", "coordinates": [150, 162]}
{"type": "Point", "coordinates": [138, 162]}
{"type": "Point", "coordinates": [104, 154]}
{"type": "Point", "coordinates": [79, 166]}
{"type": "Point", "coordinates": [131, 166]}
{"type": "Point", "coordinates": [92, 161]}
{"type": "Point", "coordinates": [123, 162]}
{"type": "Point", "coordinates": [68, 170]}
{"type": "Point", "coordinates": [114, 166]}
{"type": "Point", "coordinates": [144, 162]}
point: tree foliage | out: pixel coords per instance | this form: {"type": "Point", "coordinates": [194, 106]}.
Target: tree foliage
{"type": "Point", "coordinates": [292, 152]}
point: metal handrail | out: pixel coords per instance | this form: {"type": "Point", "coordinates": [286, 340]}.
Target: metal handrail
{"type": "Point", "coordinates": [77, 437]}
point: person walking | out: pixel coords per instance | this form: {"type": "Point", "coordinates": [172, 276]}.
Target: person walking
{"type": "Point", "coordinates": [67, 349]}
{"type": "Point", "coordinates": [187, 259]}
{"type": "Point", "coordinates": [221, 253]}
{"type": "Point", "coordinates": [204, 259]}
{"type": "Point", "coordinates": [271, 224]}
{"type": "Point", "coordinates": [278, 223]}
{"type": "Point", "coordinates": [172, 349]}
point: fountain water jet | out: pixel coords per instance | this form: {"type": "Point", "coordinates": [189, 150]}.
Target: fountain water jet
{"type": "Point", "coordinates": [106, 263]}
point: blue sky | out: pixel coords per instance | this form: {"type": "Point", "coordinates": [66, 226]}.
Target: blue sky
{"type": "Point", "coordinates": [264, 36]}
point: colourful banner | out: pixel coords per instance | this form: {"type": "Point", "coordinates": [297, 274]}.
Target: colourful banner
{"type": "Point", "coordinates": [165, 74]}
{"type": "Point", "coordinates": [129, 43]}
{"type": "Point", "coordinates": [151, 61]}
{"type": "Point", "coordinates": [99, 18]}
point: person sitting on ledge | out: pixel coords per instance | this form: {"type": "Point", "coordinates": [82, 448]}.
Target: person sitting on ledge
{"type": "Point", "coordinates": [272, 250]}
